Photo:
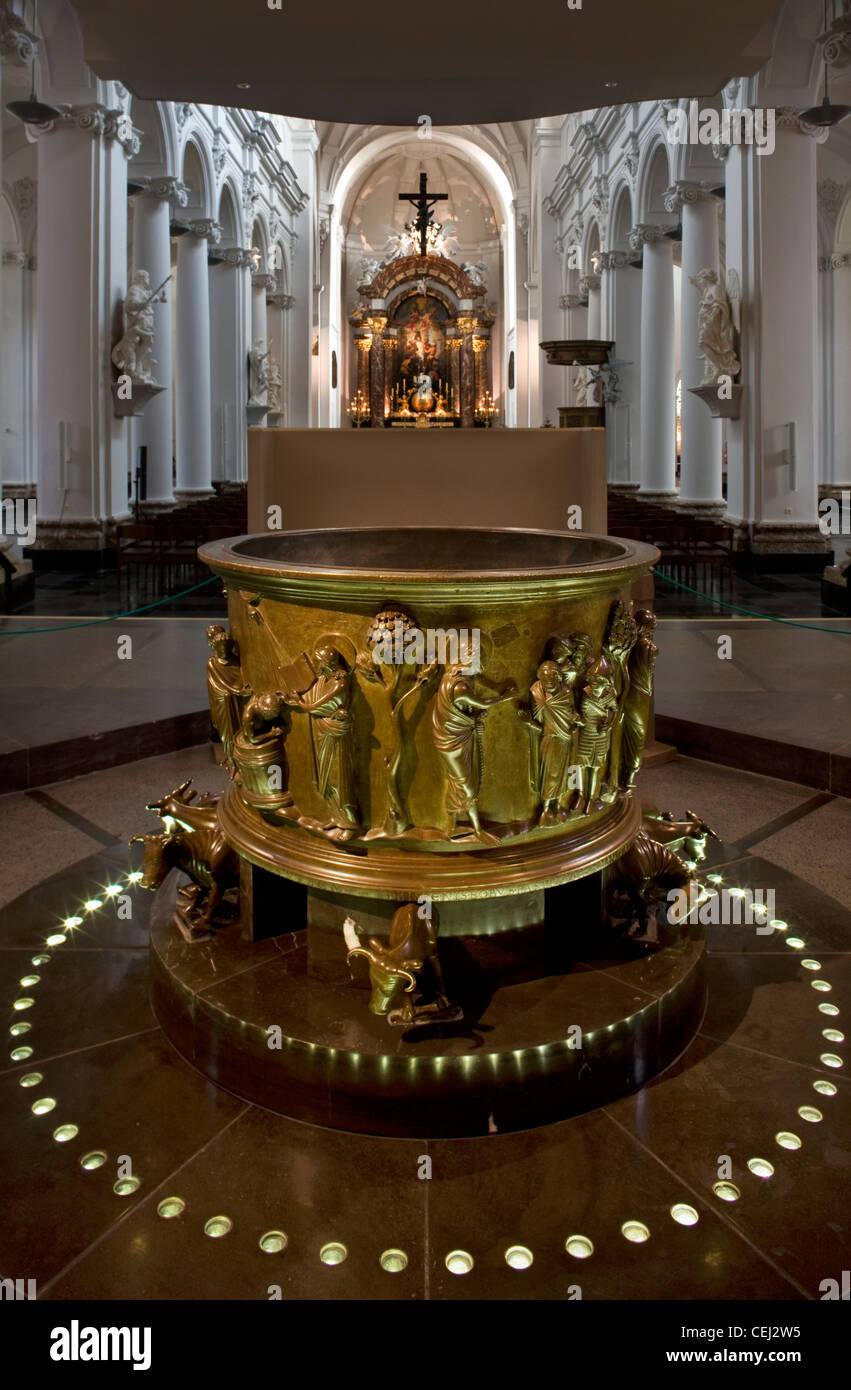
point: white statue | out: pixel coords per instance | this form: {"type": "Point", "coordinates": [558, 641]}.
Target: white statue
{"type": "Point", "coordinates": [273, 385]}
{"type": "Point", "coordinates": [257, 373]}
{"type": "Point", "coordinates": [585, 389]}
{"type": "Point", "coordinates": [423, 384]}
{"type": "Point", "coordinates": [133, 353]}
{"type": "Point", "coordinates": [477, 273]}
{"type": "Point", "coordinates": [715, 328]}
{"type": "Point", "coordinates": [369, 268]}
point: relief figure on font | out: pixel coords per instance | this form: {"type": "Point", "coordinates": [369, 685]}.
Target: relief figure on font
{"type": "Point", "coordinates": [599, 711]}
{"type": "Point", "coordinates": [636, 710]}
{"type": "Point", "coordinates": [328, 702]}
{"type": "Point", "coordinates": [458, 717]}
{"type": "Point", "coordinates": [226, 688]}
{"type": "Point", "coordinates": [553, 720]}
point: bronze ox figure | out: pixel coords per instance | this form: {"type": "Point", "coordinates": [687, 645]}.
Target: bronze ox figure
{"type": "Point", "coordinates": [689, 835]}
{"type": "Point", "coordinates": [193, 842]}
{"type": "Point", "coordinates": [640, 882]}
{"type": "Point", "coordinates": [397, 968]}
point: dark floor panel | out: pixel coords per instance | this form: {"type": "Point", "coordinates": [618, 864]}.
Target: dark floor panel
{"type": "Point", "coordinates": [583, 1177]}
{"type": "Point", "coordinates": [267, 1173]}
{"type": "Point", "coordinates": [135, 1098]}
{"type": "Point", "coordinates": [30, 919]}
{"type": "Point", "coordinates": [723, 1100]}
{"type": "Point", "coordinates": [82, 997]}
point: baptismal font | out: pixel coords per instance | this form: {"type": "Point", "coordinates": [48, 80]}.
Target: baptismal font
{"type": "Point", "coordinates": [429, 846]}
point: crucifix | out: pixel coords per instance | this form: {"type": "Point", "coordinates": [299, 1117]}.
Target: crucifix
{"type": "Point", "coordinates": [423, 202]}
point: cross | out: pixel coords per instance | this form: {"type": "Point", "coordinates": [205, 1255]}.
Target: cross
{"type": "Point", "coordinates": [423, 202]}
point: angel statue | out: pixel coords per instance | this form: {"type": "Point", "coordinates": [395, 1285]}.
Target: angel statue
{"type": "Point", "coordinates": [133, 353]}
{"type": "Point", "coordinates": [715, 328]}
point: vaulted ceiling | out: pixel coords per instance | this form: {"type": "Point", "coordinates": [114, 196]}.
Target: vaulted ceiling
{"type": "Point", "coordinates": [457, 64]}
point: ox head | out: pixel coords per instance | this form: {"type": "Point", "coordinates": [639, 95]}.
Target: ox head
{"type": "Point", "coordinates": [156, 860]}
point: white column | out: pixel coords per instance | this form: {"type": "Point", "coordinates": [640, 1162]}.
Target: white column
{"type": "Point", "coordinates": [623, 287]}
{"type": "Point", "coordinates": [658, 401]}
{"type": "Point", "coordinates": [590, 285]}
{"type": "Point", "coordinates": [152, 252]}
{"type": "Point", "coordinates": [700, 466]}
{"type": "Point", "coordinates": [261, 284]}
{"type": "Point", "coordinates": [82, 269]}
{"type": "Point", "coordinates": [229, 291]}
{"type": "Point", "coordinates": [194, 443]}
{"type": "Point", "coordinates": [772, 244]}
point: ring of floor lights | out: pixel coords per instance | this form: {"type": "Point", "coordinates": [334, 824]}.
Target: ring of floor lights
{"type": "Point", "coordinates": [458, 1262]}
{"type": "Point", "coordinates": [341, 1067]}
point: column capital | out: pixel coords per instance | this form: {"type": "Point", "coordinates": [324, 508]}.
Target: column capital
{"type": "Point", "coordinates": [645, 233]}
{"type": "Point", "coordinates": [789, 118]}
{"type": "Point", "coordinates": [614, 260]}
{"type": "Point", "coordinates": [589, 283]}
{"type": "Point", "coordinates": [109, 122]}
{"type": "Point", "coordinates": [572, 301]}
{"type": "Point", "coordinates": [261, 280]}
{"type": "Point", "coordinates": [835, 262]}
{"type": "Point", "coordinates": [204, 227]}
{"type": "Point", "coordinates": [238, 257]}
{"type": "Point", "coordinates": [280, 301]}
{"type": "Point", "coordinates": [17, 42]}
{"type": "Point", "coordinates": [16, 258]}
{"type": "Point", "coordinates": [165, 187]}
{"type": "Point", "coordinates": [686, 191]}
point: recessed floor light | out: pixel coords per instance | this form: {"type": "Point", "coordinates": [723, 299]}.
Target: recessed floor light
{"type": "Point", "coordinates": [95, 1158]}
{"type": "Point", "coordinates": [43, 1105]}
{"type": "Point", "coordinates": [125, 1186]}
{"type": "Point", "coordinates": [833, 1035]}
{"type": "Point", "coordinates": [809, 1112]}
{"type": "Point", "coordinates": [829, 1009]}
{"type": "Point", "coordinates": [787, 1140]}
{"type": "Point", "coordinates": [761, 1167]}
{"type": "Point", "coordinates": [32, 1078]}
{"type": "Point", "coordinates": [683, 1214]}
{"type": "Point", "coordinates": [65, 1132]}
{"type": "Point", "coordinates": [824, 1088]}
{"type": "Point", "coordinates": [170, 1207]}
{"type": "Point", "coordinates": [830, 1059]}
{"type": "Point", "coordinates": [459, 1262]}
{"type": "Point", "coordinates": [518, 1257]}
{"type": "Point", "coordinates": [580, 1247]}
{"type": "Point", "coordinates": [217, 1226]}
{"type": "Point", "coordinates": [394, 1261]}
{"type": "Point", "coordinates": [727, 1191]}
{"type": "Point", "coordinates": [273, 1242]}
{"type": "Point", "coordinates": [635, 1231]}
{"type": "Point", "coordinates": [333, 1253]}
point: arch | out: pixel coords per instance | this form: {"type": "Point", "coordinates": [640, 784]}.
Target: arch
{"type": "Point", "coordinates": [347, 176]}
{"type": "Point", "coordinates": [621, 220]}
{"type": "Point", "coordinates": [153, 156]}
{"type": "Point", "coordinates": [228, 217]}
{"type": "Point", "coordinates": [593, 243]}
{"type": "Point", "coordinates": [10, 227]}
{"type": "Point", "coordinates": [197, 175]}
{"type": "Point", "coordinates": [260, 238]}
{"type": "Point", "coordinates": [653, 178]}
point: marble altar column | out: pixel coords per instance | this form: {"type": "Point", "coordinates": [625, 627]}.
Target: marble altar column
{"type": "Point", "coordinates": [152, 208]}
{"type": "Point", "coordinates": [389, 336]}
{"type": "Point", "coordinates": [194, 434]}
{"type": "Point", "coordinates": [467, 372]}
{"type": "Point", "coordinates": [700, 454]}
{"type": "Point", "coordinates": [658, 387]}
{"type": "Point", "coordinates": [376, 372]}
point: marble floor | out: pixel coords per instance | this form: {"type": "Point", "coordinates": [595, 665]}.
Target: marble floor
{"type": "Point", "coordinates": [756, 1070]}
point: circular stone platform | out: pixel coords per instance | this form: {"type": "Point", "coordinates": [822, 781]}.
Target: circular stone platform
{"type": "Point", "coordinates": [514, 1062]}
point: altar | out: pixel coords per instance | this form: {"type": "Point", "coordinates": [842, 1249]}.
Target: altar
{"type": "Point", "coordinates": [423, 341]}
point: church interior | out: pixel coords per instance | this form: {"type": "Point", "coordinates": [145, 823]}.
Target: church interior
{"type": "Point", "coordinates": [424, 657]}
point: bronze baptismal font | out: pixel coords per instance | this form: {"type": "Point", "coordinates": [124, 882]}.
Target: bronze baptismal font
{"type": "Point", "coordinates": [427, 901]}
